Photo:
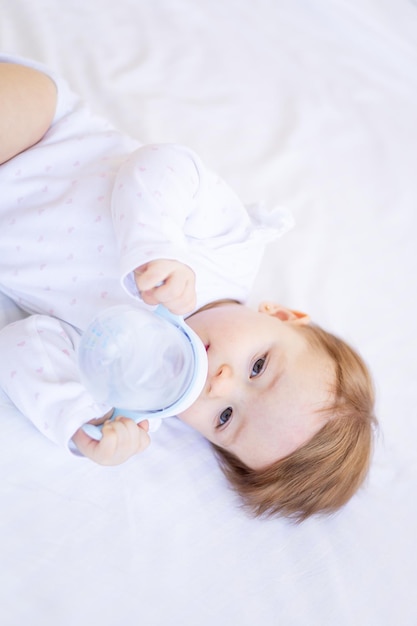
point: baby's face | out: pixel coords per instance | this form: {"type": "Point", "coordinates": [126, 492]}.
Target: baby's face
{"type": "Point", "coordinates": [265, 384]}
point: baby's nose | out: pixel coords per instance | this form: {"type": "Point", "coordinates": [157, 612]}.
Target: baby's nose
{"type": "Point", "coordinates": [222, 381]}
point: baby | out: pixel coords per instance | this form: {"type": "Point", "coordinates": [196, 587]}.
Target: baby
{"type": "Point", "coordinates": [89, 219]}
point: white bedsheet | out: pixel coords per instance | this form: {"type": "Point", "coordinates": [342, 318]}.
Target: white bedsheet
{"type": "Point", "coordinates": [311, 104]}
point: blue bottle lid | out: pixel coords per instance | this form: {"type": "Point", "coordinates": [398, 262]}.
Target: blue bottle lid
{"type": "Point", "coordinates": [145, 364]}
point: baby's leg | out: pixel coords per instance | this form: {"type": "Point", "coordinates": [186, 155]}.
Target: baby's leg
{"type": "Point", "coordinates": [27, 108]}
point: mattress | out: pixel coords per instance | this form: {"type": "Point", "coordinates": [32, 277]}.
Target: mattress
{"type": "Point", "coordinates": [309, 104]}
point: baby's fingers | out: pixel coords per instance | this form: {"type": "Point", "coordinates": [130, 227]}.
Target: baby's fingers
{"type": "Point", "coordinates": [152, 274]}
{"type": "Point", "coordinates": [177, 294]}
{"type": "Point", "coordinates": [121, 439]}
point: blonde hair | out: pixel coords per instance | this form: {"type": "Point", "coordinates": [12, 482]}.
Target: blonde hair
{"type": "Point", "coordinates": [324, 473]}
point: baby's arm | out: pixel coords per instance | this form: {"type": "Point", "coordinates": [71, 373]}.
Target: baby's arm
{"type": "Point", "coordinates": [167, 205]}
{"type": "Point", "coordinates": [121, 439]}
{"type": "Point", "coordinates": [41, 377]}
{"type": "Point", "coordinates": [167, 282]}
{"type": "Point", "coordinates": [27, 107]}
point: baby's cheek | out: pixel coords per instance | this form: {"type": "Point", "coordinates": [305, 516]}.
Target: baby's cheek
{"type": "Point", "coordinates": [194, 417]}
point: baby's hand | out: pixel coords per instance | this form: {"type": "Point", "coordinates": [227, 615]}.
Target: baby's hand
{"type": "Point", "coordinates": [167, 282]}
{"type": "Point", "coordinates": [121, 439]}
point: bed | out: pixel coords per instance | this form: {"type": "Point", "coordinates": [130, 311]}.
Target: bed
{"type": "Point", "coordinates": [309, 104]}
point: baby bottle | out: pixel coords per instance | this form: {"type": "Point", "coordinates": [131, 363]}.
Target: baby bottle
{"type": "Point", "coordinates": [145, 364]}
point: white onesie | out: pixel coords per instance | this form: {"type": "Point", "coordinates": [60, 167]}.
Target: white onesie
{"type": "Point", "coordinates": [79, 211]}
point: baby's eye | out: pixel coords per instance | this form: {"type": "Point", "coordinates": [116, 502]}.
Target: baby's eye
{"type": "Point", "coordinates": [258, 367]}
{"type": "Point", "coordinates": [225, 416]}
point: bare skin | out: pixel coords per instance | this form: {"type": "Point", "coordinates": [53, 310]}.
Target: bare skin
{"type": "Point", "coordinates": [27, 107]}
{"type": "Point", "coordinates": [161, 282]}
{"type": "Point", "coordinates": [265, 384]}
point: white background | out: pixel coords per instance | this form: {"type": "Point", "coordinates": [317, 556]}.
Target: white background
{"type": "Point", "coordinates": [310, 104]}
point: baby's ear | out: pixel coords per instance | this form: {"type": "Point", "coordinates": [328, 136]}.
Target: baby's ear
{"type": "Point", "coordinates": [283, 313]}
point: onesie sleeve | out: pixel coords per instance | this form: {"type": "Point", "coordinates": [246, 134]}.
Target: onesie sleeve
{"type": "Point", "coordinates": [41, 378]}
{"type": "Point", "coordinates": [153, 195]}
{"type": "Point", "coordinates": [167, 204]}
